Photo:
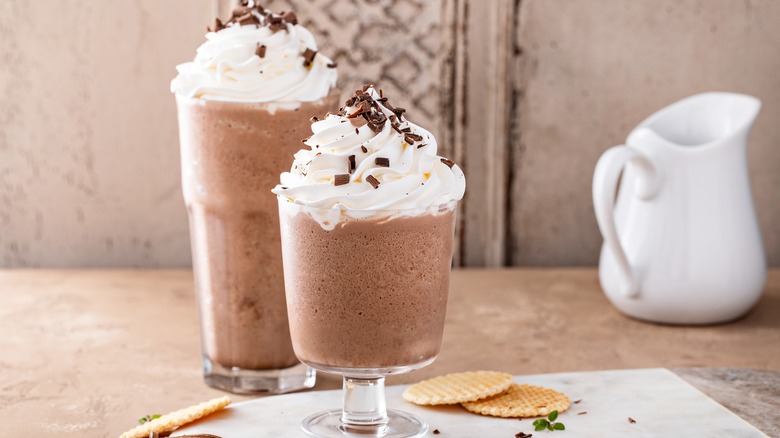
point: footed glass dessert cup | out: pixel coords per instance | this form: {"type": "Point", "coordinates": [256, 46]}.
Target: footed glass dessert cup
{"type": "Point", "coordinates": [366, 298]}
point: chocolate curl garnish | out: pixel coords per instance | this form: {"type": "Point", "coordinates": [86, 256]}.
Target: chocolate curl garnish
{"type": "Point", "coordinates": [332, 64]}
{"type": "Point", "coordinates": [341, 179]}
{"type": "Point", "coordinates": [290, 17]}
{"type": "Point", "coordinates": [382, 162]}
{"type": "Point", "coordinates": [260, 50]}
{"type": "Point", "coordinates": [275, 22]}
{"type": "Point", "coordinates": [373, 181]}
{"type": "Point", "coordinates": [352, 164]}
{"type": "Point", "coordinates": [246, 19]}
{"type": "Point", "coordinates": [363, 148]}
{"type": "Point", "coordinates": [448, 162]}
{"type": "Point", "coordinates": [308, 57]}
{"type": "Point", "coordinates": [216, 27]}
{"type": "Point", "coordinates": [240, 11]}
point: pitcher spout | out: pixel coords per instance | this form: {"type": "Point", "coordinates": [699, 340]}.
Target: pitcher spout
{"type": "Point", "coordinates": [701, 120]}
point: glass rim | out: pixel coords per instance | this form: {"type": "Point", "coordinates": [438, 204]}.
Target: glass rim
{"type": "Point", "coordinates": [334, 92]}
{"type": "Point", "coordinates": [449, 205]}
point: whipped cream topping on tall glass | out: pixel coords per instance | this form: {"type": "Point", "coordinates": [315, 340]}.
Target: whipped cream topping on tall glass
{"type": "Point", "coordinates": [257, 56]}
{"type": "Point", "coordinates": [369, 157]}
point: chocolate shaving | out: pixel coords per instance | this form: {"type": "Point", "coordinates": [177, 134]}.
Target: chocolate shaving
{"type": "Point", "coordinates": [363, 148]}
{"type": "Point", "coordinates": [217, 26]}
{"type": "Point", "coordinates": [341, 179]}
{"type": "Point", "coordinates": [582, 413]}
{"type": "Point", "coordinates": [241, 10]}
{"type": "Point", "coordinates": [357, 131]}
{"type": "Point", "coordinates": [332, 64]}
{"type": "Point", "coordinates": [308, 56]}
{"type": "Point", "coordinates": [358, 121]}
{"type": "Point", "coordinates": [373, 181]}
{"type": "Point", "coordinates": [436, 431]}
{"type": "Point", "coordinates": [275, 22]}
{"type": "Point", "coordinates": [422, 145]}
{"type": "Point", "coordinates": [631, 420]}
{"type": "Point", "coordinates": [283, 187]}
{"type": "Point", "coordinates": [523, 435]}
{"type": "Point", "coordinates": [382, 162]}
{"type": "Point", "coordinates": [448, 162]}
{"type": "Point", "coordinates": [290, 17]}
{"type": "Point", "coordinates": [576, 402]}
{"type": "Point", "coordinates": [246, 19]}
{"type": "Point", "coordinates": [352, 164]}
{"type": "Point", "coordinates": [260, 50]}
{"type": "Point", "coordinates": [314, 119]}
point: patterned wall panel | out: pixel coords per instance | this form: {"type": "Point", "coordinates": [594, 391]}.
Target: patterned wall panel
{"type": "Point", "coordinates": [395, 43]}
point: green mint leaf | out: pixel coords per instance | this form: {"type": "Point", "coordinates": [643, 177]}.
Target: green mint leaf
{"type": "Point", "coordinates": [540, 427]}
{"type": "Point", "coordinates": [559, 426]}
{"type": "Point", "coordinates": [550, 427]}
{"type": "Point", "coordinates": [540, 421]}
{"type": "Point", "coordinates": [147, 418]}
{"type": "Point", "coordinates": [553, 416]}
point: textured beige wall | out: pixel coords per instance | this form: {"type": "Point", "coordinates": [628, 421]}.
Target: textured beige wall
{"type": "Point", "coordinates": [591, 70]}
{"type": "Point", "coordinates": [88, 140]}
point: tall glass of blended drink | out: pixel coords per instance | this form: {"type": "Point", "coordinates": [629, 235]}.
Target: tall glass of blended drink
{"type": "Point", "coordinates": [367, 221]}
{"type": "Point", "coordinates": [239, 105]}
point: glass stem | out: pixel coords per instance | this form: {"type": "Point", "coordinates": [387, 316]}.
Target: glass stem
{"type": "Point", "coordinates": [364, 402]}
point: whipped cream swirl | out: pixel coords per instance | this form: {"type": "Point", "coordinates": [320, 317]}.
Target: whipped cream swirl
{"type": "Point", "coordinates": [368, 157]}
{"type": "Point", "coordinates": [257, 57]}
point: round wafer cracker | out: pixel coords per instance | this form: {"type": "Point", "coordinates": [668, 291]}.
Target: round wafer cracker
{"type": "Point", "coordinates": [169, 422]}
{"type": "Point", "coordinates": [457, 388]}
{"type": "Point", "coordinates": [521, 400]}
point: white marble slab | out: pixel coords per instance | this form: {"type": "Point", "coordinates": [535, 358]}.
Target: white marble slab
{"type": "Point", "coordinates": [662, 404]}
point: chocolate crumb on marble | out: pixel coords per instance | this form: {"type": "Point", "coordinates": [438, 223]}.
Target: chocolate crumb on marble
{"type": "Point", "coordinates": [631, 420]}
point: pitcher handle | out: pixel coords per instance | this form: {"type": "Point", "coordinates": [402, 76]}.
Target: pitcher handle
{"type": "Point", "coordinates": [605, 181]}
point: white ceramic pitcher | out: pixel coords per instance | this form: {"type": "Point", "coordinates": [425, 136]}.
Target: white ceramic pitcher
{"type": "Point", "coordinates": [681, 242]}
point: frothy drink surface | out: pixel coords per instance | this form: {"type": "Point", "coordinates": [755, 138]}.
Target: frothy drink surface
{"type": "Point", "coordinates": [231, 154]}
{"type": "Point", "coordinates": [369, 293]}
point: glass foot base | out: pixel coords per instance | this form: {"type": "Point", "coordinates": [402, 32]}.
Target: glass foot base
{"type": "Point", "coordinates": [241, 381]}
{"type": "Point", "coordinates": [328, 424]}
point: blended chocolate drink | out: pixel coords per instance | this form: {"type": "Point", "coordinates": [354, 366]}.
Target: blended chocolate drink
{"type": "Point", "coordinates": [371, 293]}
{"type": "Point", "coordinates": [367, 218]}
{"type": "Point", "coordinates": [241, 107]}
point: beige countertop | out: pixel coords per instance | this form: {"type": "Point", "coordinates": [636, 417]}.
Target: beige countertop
{"type": "Point", "coordinates": [87, 352]}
